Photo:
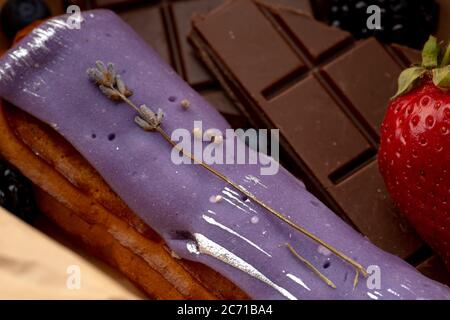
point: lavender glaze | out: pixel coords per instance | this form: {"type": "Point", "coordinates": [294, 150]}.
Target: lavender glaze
{"type": "Point", "coordinates": [45, 75]}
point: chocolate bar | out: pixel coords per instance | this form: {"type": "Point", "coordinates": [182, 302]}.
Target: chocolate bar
{"type": "Point", "coordinates": [326, 92]}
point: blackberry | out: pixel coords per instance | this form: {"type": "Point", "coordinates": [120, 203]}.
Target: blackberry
{"type": "Point", "coordinates": [17, 14]}
{"type": "Point", "coordinates": [407, 22]}
{"type": "Point", "coordinates": [16, 193]}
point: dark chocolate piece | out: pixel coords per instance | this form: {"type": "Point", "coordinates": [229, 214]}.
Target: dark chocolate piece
{"type": "Point", "coordinates": [250, 254]}
{"type": "Point", "coordinates": [182, 11]}
{"type": "Point", "coordinates": [193, 71]}
{"type": "Point", "coordinates": [443, 31]}
{"type": "Point", "coordinates": [307, 99]}
{"type": "Point", "coordinates": [148, 22]}
{"type": "Point", "coordinates": [434, 268]}
{"type": "Point", "coordinates": [408, 55]}
{"type": "Point", "coordinates": [302, 5]}
{"type": "Point", "coordinates": [325, 92]}
{"type": "Point", "coordinates": [176, 24]}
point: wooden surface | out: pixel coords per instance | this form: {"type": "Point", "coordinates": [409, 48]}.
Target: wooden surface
{"type": "Point", "coordinates": [34, 266]}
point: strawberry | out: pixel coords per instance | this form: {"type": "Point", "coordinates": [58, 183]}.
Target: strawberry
{"type": "Point", "coordinates": [414, 155]}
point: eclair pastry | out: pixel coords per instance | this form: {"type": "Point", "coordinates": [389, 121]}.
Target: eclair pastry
{"type": "Point", "coordinates": [79, 201]}
{"type": "Point", "coordinates": [112, 185]}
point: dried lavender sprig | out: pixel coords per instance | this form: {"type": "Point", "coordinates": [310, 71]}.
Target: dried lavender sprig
{"type": "Point", "coordinates": [109, 81]}
{"type": "Point", "coordinates": [147, 119]}
{"type": "Point", "coordinates": [150, 121]}
{"type": "Point", "coordinates": [311, 266]}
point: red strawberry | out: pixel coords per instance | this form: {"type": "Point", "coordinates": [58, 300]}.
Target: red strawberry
{"type": "Point", "coordinates": [414, 155]}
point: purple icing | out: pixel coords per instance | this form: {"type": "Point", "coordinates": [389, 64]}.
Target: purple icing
{"type": "Point", "coordinates": [45, 75]}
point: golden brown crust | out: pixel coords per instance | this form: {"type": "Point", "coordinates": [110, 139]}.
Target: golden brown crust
{"type": "Point", "coordinates": [62, 157]}
{"type": "Point", "coordinates": [93, 211]}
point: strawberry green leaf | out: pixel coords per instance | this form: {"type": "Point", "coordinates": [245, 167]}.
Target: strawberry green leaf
{"type": "Point", "coordinates": [407, 79]}
{"type": "Point", "coordinates": [441, 77]}
{"type": "Point", "coordinates": [430, 53]}
{"type": "Point", "coordinates": [446, 58]}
